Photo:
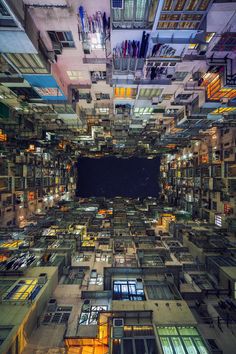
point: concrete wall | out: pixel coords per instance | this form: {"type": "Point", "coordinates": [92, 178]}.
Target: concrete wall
{"type": "Point", "coordinates": [24, 318]}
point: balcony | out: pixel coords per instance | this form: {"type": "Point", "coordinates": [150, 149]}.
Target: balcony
{"type": "Point", "coordinates": [132, 16]}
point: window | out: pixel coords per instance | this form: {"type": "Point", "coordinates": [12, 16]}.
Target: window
{"type": "Point", "coordinates": [180, 5]}
{"type": "Point", "coordinates": [77, 75]}
{"type": "Point", "coordinates": [5, 17]}
{"type": "Point", "coordinates": [142, 338]}
{"type": "Point", "coordinates": [128, 290]}
{"type": "Point", "coordinates": [191, 17]}
{"type": "Point", "coordinates": [209, 36]}
{"type": "Point", "coordinates": [135, 14]}
{"type": "Point", "coordinates": [3, 10]}
{"type": "Point", "coordinates": [102, 110]}
{"type": "Point", "coordinates": [204, 5]}
{"type": "Point", "coordinates": [149, 93]}
{"type": "Point", "coordinates": [143, 110]}
{"type": "Point", "coordinates": [124, 92]}
{"type": "Point", "coordinates": [167, 5]}
{"type": "Point", "coordinates": [182, 339]}
{"type": "Point", "coordinates": [227, 42]}
{"type": "Point", "coordinates": [85, 96]}
{"type": "Point", "coordinates": [27, 63]}
{"type": "Point", "coordinates": [192, 5]}
{"type": "Point", "coordinates": [89, 314]}
{"type": "Point", "coordinates": [102, 96]}
{"type": "Point", "coordinates": [64, 38]}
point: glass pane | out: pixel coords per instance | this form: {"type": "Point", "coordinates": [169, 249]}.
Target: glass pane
{"type": "Point", "coordinates": [128, 346]}
{"type": "Point", "coordinates": [166, 346]}
{"type": "Point", "coordinates": [124, 288]}
{"type": "Point", "coordinates": [37, 60]}
{"type": "Point", "coordinates": [140, 9]}
{"type": "Point", "coordinates": [151, 344]}
{"type": "Point", "coordinates": [167, 331]}
{"type": "Point", "coordinates": [3, 10]}
{"type": "Point", "coordinates": [68, 36]}
{"type": "Point", "coordinates": [188, 331]}
{"type": "Point", "coordinates": [117, 14]}
{"type": "Point", "coordinates": [178, 346]}
{"type": "Point", "coordinates": [204, 5]}
{"type": "Point", "coordinates": [200, 346]}
{"type": "Point", "coordinates": [192, 5]}
{"type": "Point", "coordinates": [22, 60]}
{"type": "Point", "coordinates": [116, 347]}
{"type": "Point", "coordinates": [128, 10]}
{"type": "Point", "coordinates": [139, 346]}
{"type": "Point", "coordinates": [167, 5]}
{"type": "Point", "coordinates": [30, 60]}
{"type": "Point", "coordinates": [60, 36]}
{"type": "Point", "coordinates": [189, 345]}
{"type": "Point", "coordinates": [180, 5]}
{"type": "Point", "coordinates": [52, 36]}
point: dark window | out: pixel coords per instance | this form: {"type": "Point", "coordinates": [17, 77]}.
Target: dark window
{"type": "Point", "coordinates": [5, 17]}
{"type": "Point", "coordinates": [64, 38]}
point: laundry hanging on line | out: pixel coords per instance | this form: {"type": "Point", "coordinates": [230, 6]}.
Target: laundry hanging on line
{"type": "Point", "coordinates": [132, 48]}
{"type": "Point", "coordinates": [97, 23]}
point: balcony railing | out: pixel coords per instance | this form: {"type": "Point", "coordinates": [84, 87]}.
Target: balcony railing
{"type": "Point", "coordinates": [132, 16]}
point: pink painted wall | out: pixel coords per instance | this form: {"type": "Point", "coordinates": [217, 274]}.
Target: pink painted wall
{"type": "Point", "coordinates": [56, 19]}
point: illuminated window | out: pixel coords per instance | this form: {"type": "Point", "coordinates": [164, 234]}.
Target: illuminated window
{"type": "Point", "coordinates": [188, 25]}
{"type": "Point", "coordinates": [128, 290]}
{"type": "Point", "coordinates": [78, 75]}
{"type": "Point", "coordinates": [103, 110]}
{"type": "Point", "coordinates": [215, 91]}
{"type": "Point", "coordinates": [180, 5]}
{"type": "Point", "coordinates": [192, 5]}
{"type": "Point", "coordinates": [191, 17]}
{"type": "Point", "coordinates": [167, 5]}
{"type": "Point", "coordinates": [209, 36]}
{"type": "Point", "coordinates": [89, 314]}
{"type": "Point", "coordinates": [222, 110]}
{"type": "Point", "coordinates": [143, 110]}
{"type": "Point", "coordinates": [182, 339]}
{"type": "Point", "coordinates": [149, 93]}
{"type": "Point", "coordinates": [192, 46]}
{"type": "Point", "coordinates": [124, 92]}
{"type": "Point", "coordinates": [165, 17]}
{"type": "Point", "coordinates": [204, 5]}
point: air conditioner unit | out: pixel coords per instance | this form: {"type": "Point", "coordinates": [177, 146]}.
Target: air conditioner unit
{"type": "Point", "coordinates": [117, 4]}
{"type": "Point", "coordinates": [118, 328]}
{"type": "Point", "coordinates": [139, 284]}
{"type": "Point", "coordinates": [42, 278]}
{"type": "Point", "coordinates": [169, 277]}
{"type": "Point", "coordinates": [52, 305]}
{"type": "Point", "coordinates": [156, 100]}
{"type": "Point", "coordinates": [57, 47]}
{"type": "Point", "coordinates": [224, 100]}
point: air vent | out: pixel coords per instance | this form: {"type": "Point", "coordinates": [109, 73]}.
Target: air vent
{"type": "Point", "coordinates": [117, 4]}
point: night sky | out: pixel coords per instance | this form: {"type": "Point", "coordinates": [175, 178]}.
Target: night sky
{"type": "Point", "coordinates": [110, 176]}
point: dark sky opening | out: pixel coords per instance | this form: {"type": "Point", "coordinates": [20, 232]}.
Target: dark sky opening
{"type": "Point", "coordinates": [110, 177]}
